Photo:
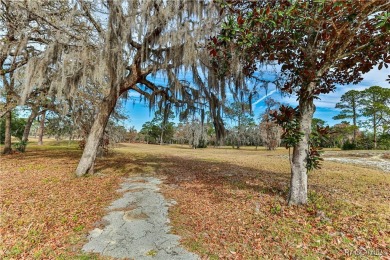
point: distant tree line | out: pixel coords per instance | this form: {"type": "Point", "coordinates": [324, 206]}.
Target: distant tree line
{"type": "Point", "coordinates": [364, 115]}
{"type": "Point", "coordinates": [366, 119]}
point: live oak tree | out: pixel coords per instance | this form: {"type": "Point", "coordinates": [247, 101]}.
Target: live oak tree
{"type": "Point", "coordinates": [316, 43]}
{"type": "Point", "coordinates": [12, 56]}
{"type": "Point", "coordinates": [349, 105]}
{"type": "Point", "coordinates": [116, 45]}
{"type": "Point", "coordinates": [270, 131]}
{"type": "Point", "coordinates": [196, 133]}
{"type": "Point", "coordinates": [23, 37]}
{"type": "Point", "coordinates": [241, 117]}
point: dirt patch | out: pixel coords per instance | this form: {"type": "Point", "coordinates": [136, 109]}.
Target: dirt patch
{"type": "Point", "coordinates": [378, 164]}
{"type": "Point", "coordinates": [135, 190]}
{"type": "Point", "coordinates": [386, 156]}
{"type": "Point", "coordinates": [373, 159]}
{"type": "Point", "coordinates": [131, 215]}
{"type": "Point", "coordinates": [130, 207]}
{"type": "Point", "coordinates": [101, 223]}
{"type": "Point", "coordinates": [138, 181]}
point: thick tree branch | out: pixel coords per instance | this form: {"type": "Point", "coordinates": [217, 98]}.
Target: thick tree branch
{"type": "Point", "coordinates": [87, 12]}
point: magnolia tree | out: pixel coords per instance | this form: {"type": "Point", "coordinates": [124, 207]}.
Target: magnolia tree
{"type": "Point", "coordinates": [317, 44]}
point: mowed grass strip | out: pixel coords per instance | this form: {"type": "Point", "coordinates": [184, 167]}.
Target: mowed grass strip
{"type": "Point", "coordinates": [231, 203]}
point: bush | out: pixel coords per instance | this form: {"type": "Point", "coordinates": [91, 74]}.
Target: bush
{"type": "Point", "coordinates": [17, 127]}
{"type": "Point", "coordinates": [20, 146]}
{"type": "Point", "coordinates": [365, 142]}
{"type": "Point", "coordinates": [202, 144]}
{"type": "Point", "coordinates": [349, 146]}
{"type": "Point", "coordinates": [384, 141]}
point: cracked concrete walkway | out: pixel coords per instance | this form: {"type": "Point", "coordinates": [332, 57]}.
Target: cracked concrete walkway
{"type": "Point", "coordinates": [138, 225]}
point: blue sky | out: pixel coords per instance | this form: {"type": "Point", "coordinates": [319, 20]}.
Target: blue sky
{"type": "Point", "coordinates": [138, 112]}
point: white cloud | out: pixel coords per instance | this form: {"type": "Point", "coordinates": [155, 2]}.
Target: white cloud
{"type": "Point", "coordinates": [376, 78]}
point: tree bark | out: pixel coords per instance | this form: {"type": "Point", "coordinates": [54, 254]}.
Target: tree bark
{"type": "Point", "coordinates": [28, 125]}
{"type": "Point", "coordinates": [298, 185]}
{"type": "Point", "coordinates": [87, 160]}
{"type": "Point", "coordinates": [41, 129]}
{"type": "Point", "coordinates": [7, 142]}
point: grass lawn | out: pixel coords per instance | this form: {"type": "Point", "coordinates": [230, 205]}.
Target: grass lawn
{"type": "Point", "coordinates": [231, 203]}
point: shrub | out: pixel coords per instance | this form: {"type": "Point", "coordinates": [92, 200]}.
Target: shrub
{"type": "Point", "coordinates": [348, 146]}
{"type": "Point", "coordinates": [20, 146]}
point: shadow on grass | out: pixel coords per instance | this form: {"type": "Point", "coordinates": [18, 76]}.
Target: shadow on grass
{"type": "Point", "coordinates": [211, 175]}
{"type": "Point", "coordinates": [176, 170]}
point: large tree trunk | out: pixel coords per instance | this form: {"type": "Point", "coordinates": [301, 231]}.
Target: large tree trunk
{"type": "Point", "coordinates": [298, 186]}
{"type": "Point", "coordinates": [41, 129]}
{"type": "Point", "coordinates": [87, 160]}
{"type": "Point", "coordinates": [27, 127]}
{"type": "Point", "coordinates": [7, 142]}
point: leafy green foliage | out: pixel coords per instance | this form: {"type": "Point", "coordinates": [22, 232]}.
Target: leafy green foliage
{"type": "Point", "coordinates": [159, 128]}
{"type": "Point", "coordinates": [329, 42]}
{"type": "Point", "coordinates": [373, 104]}
{"type": "Point", "coordinates": [384, 141]}
{"type": "Point", "coordinates": [376, 105]}
{"type": "Point", "coordinates": [319, 136]}
{"type": "Point", "coordinates": [349, 146]}
{"type": "Point", "coordinates": [287, 118]}
{"type": "Point", "coordinates": [20, 146]}
{"type": "Point", "coordinates": [17, 127]}
{"type": "Point", "coordinates": [349, 103]}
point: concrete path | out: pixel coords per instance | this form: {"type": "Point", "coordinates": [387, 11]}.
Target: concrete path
{"type": "Point", "coordinates": [138, 225]}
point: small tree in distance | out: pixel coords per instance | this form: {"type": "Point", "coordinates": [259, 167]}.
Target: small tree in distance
{"type": "Point", "coordinates": [270, 134]}
{"type": "Point", "coordinates": [270, 131]}
{"type": "Point", "coordinates": [349, 104]}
